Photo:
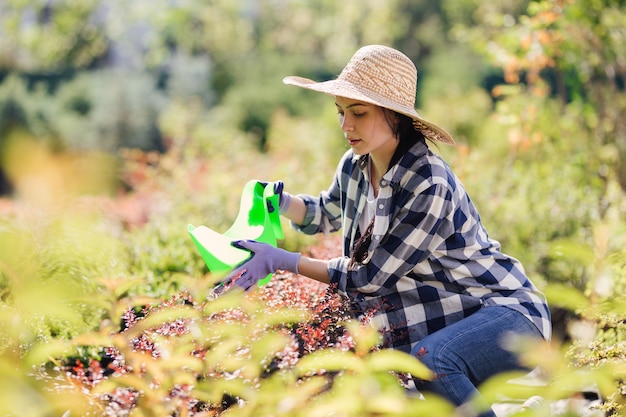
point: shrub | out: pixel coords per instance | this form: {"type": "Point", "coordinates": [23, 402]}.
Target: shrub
{"type": "Point", "coordinates": [245, 354]}
{"type": "Point", "coordinates": [598, 331]}
{"type": "Point", "coordinates": [103, 110]}
{"type": "Point", "coordinates": [53, 261]}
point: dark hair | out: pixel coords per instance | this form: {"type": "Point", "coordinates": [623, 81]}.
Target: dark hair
{"type": "Point", "coordinates": [403, 128]}
{"type": "Point", "coordinates": [359, 253]}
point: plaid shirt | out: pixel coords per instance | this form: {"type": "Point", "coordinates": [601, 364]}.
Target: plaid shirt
{"type": "Point", "coordinates": [430, 262]}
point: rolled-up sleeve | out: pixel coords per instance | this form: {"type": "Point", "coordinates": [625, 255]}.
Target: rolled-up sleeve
{"type": "Point", "coordinates": [324, 212]}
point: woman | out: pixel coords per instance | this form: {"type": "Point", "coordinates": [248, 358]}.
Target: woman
{"type": "Point", "coordinates": [416, 253]}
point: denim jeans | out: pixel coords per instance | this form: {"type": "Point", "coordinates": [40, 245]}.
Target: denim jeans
{"type": "Point", "coordinates": [470, 351]}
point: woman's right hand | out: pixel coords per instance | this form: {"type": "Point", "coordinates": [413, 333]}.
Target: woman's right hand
{"type": "Point", "coordinates": [284, 198]}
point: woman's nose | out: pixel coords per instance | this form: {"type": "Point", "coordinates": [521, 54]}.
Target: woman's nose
{"type": "Point", "coordinates": [346, 125]}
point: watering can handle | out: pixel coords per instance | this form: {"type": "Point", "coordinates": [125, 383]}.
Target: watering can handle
{"type": "Point", "coordinates": [271, 195]}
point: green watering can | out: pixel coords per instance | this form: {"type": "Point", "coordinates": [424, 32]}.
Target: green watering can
{"type": "Point", "coordinates": [254, 221]}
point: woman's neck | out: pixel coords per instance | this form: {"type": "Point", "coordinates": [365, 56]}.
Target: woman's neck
{"type": "Point", "coordinates": [380, 162]}
{"type": "Point", "coordinates": [377, 170]}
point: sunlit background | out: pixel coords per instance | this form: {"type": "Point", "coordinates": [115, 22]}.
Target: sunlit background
{"type": "Point", "coordinates": [123, 121]}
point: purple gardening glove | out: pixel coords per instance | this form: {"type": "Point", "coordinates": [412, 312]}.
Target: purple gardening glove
{"type": "Point", "coordinates": [284, 198]}
{"type": "Point", "coordinates": [265, 259]}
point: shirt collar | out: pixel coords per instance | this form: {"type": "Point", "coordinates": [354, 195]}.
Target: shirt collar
{"type": "Point", "coordinates": [406, 162]}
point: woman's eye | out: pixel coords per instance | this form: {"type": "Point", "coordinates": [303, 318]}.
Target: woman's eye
{"type": "Point", "coordinates": [358, 114]}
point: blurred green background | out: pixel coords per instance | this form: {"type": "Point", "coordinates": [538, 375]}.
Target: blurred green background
{"type": "Point", "coordinates": [533, 92]}
{"type": "Point", "coordinates": [123, 121]}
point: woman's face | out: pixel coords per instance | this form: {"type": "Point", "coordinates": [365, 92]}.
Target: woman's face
{"type": "Point", "coordinates": [365, 127]}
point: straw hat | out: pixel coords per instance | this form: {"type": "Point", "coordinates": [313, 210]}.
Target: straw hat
{"type": "Point", "coordinates": [382, 76]}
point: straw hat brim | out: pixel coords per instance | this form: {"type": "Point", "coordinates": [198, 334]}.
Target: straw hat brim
{"type": "Point", "coordinates": [343, 88]}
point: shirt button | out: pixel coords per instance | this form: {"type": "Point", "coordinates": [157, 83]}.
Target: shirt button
{"type": "Point", "coordinates": [381, 206]}
{"type": "Point", "coordinates": [383, 183]}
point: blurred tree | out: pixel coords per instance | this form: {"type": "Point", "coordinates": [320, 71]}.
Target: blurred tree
{"type": "Point", "coordinates": [568, 50]}
{"type": "Point", "coordinates": [240, 50]}
{"type": "Point", "coordinates": [237, 46]}
{"type": "Point", "coordinates": [558, 106]}
{"type": "Point", "coordinates": [256, 44]}
{"type": "Point", "coordinates": [50, 36]}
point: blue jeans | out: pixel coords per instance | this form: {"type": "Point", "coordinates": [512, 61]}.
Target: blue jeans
{"type": "Point", "coordinates": [468, 352]}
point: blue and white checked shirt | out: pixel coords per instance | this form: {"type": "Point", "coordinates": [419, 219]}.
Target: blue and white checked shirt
{"type": "Point", "coordinates": [430, 262]}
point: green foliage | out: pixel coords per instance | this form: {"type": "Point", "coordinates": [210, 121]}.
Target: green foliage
{"type": "Point", "coordinates": [161, 255]}
{"type": "Point", "coordinates": [570, 50]}
{"type": "Point", "coordinates": [227, 354]}
{"type": "Point", "coordinates": [53, 261]}
{"type": "Point", "coordinates": [97, 110]}
{"type": "Point", "coordinates": [44, 36]}
{"type": "Point", "coordinates": [562, 195]}
{"type": "Point", "coordinates": [108, 109]}
{"type": "Point", "coordinates": [597, 352]}
{"type": "Point", "coordinates": [241, 44]}
{"type": "Point", "coordinates": [534, 97]}
{"type": "Point", "coordinates": [21, 108]}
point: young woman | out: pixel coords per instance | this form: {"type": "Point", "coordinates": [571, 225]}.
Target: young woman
{"type": "Point", "coordinates": [415, 251]}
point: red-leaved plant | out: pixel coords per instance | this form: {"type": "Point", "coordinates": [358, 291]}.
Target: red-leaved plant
{"type": "Point", "coordinates": [324, 313]}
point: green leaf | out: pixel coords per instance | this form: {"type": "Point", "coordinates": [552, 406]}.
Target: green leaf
{"type": "Point", "coordinates": [225, 356]}
{"type": "Point", "coordinates": [504, 385]}
{"type": "Point", "coordinates": [572, 250]}
{"type": "Point", "coordinates": [329, 361]}
{"type": "Point", "coordinates": [613, 306]}
{"type": "Point", "coordinates": [181, 363]}
{"type": "Point", "coordinates": [212, 391]}
{"type": "Point", "coordinates": [280, 316]}
{"type": "Point", "coordinates": [43, 352]}
{"type": "Point", "coordinates": [217, 331]}
{"type": "Point", "coordinates": [126, 286]}
{"type": "Point", "coordinates": [126, 381]}
{"type": "Point", "coordinates": [565, 296]}
{"type": "Point", "coordinates": [366, 337]}
{"type": "Point", "coordinates": [225, 302]}
{"type": "Point", "coordinates": [93, 339]}
{"type": "Point", "coordinates": [299, 392]}
{"type": "Point", "coordinates": [385, 404]}
{"type": "Point", "coordinates": [268, 345]}
{"type": "Point", "coordinates": [395, 360]}
{"type": "Point", "coordinates": [160, 317]}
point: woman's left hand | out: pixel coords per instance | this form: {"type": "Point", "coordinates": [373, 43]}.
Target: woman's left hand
{"type": "Point", "coordinates": [265, 259]}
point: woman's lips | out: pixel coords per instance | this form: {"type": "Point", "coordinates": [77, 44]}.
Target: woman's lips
{"type": "Point", "coordinates": [353, 142]}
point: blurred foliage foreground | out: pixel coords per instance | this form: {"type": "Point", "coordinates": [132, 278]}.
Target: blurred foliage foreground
{"type": "Point", "coordinates": [87, 331]}
{"type": "Point", "coordinates": [105, 308]}
{"type": "Point", "coordinates": [105, 311]}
